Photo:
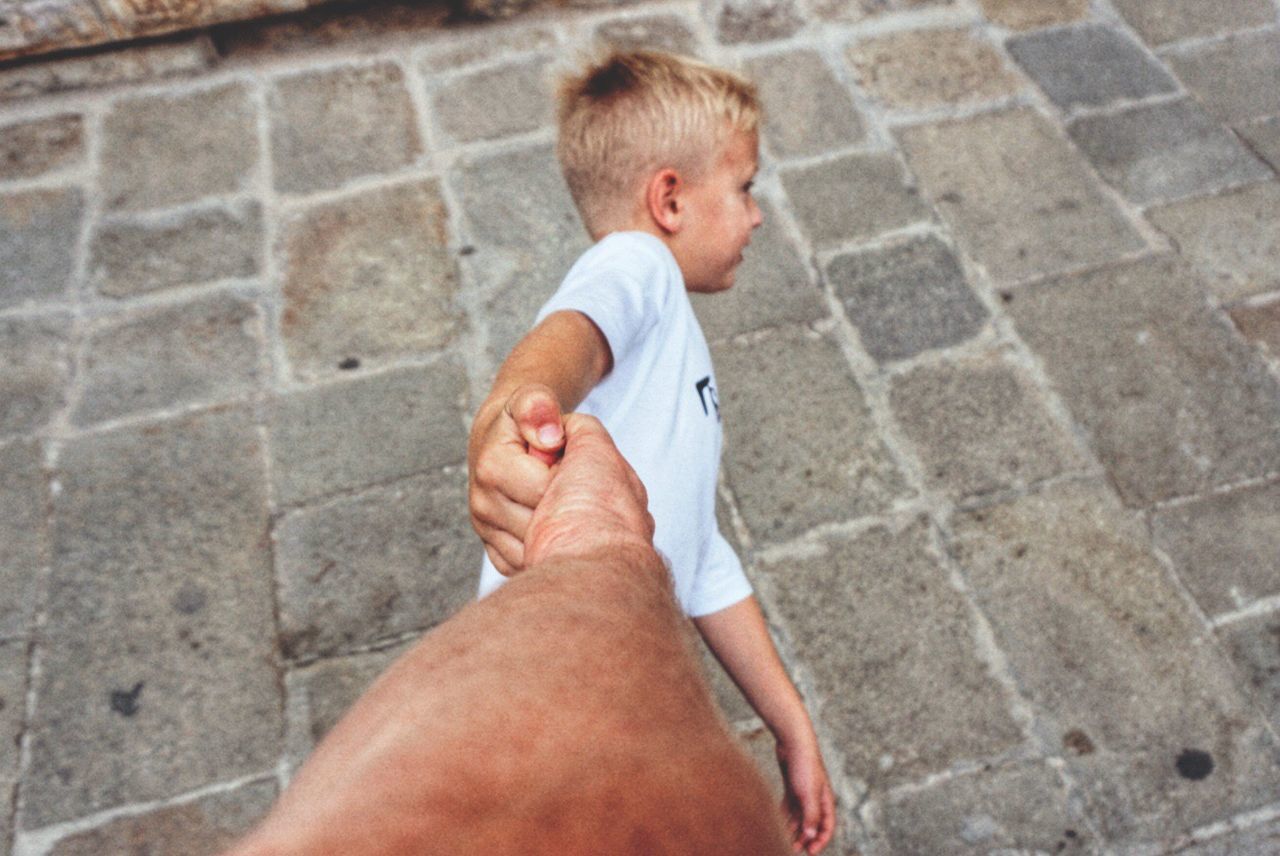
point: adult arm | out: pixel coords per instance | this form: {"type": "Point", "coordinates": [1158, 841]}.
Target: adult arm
{"type": "Point", "coordinates": [563, 714]}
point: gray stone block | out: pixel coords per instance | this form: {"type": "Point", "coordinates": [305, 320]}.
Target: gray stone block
{"type": "Point", "coordinates": [1253, 644]}
{"type": "Point", "coordinates": [330, 126]}
{"type": "Point", "coordinates": [1261, 325]}
{"type": "Point", "coordinates": [159, 670]}
{"type": "Point", "coordinates": [772, 287]}
{"type": "Point", "coordinates": [1233, 239]}
{"type": "Point", "coordinates": [1110, 657]}
{"type": "Point", "coordinates": [1225, 547]}
{"type": "Point", "coordinates": [1176, 403]}
{"type": "Point", "coordinates": [451, 48]}
{"type": "Point", "coordinates": [496, 102]}
{"type": "Point", "coordinates": [161, 150]}
{"type": "Point", "coordinates": [738, 21]}
{"type": "Point", "coordinates": [1236, 79]}
{"type": "Point", "coordinates": [918, 69]}
{"type": "Point", "coordinates": [130, 257]}
{"type": "Point", "coordinates": [39, 231]}
{"type": "Point", "coordinates": [523, 234]}
{"type": "Point", "coordinates": [207, 350]}
{"type": "Point", "coordinates": [368, 277]}
{"type": "Point", "coordinates": [1165, 151]}
{"type": "Point", "coordinates": [1016, 219]}
{"type": "Point", "coordinates": [801, 448]}
{"type": "Point", "coordinates": [1089, 65]}
{"type": "Point", "coordinates": [852, 197]}
{"type": "Point", "coordinates": [136, 62]}
{"type": "Point", "coordinates": [906, 298]}
{"type": "Point", "coordinates": [366, 568]}
{"type": "Point", "coordinates": [670, 33]}
{"type": "Point", "coordinates": [806, 110]}
{"type": "Point", "coordinates": [13, 709]}
{"type": "Point", "coordinates": [1031, 14]}
{"type": "Point", "coordinates": [351, 434]}
{"type": "Point", "coordinates": [202, 827]}
{"type": "Point", "coordinates": [1017, 809]}
{"type": "Point", "coordinates": [1261, 840]}
{"type": "Point", "coordinates": [1162, 21]}
{"type": "Point", "coordinates": [33, 386]}
{"type": "Point", "coordinates": [328, 688]}
{"type": "Point", "coordinates": [41, 145]}
{"type": "Point", "coordinates": [889, 645]}
{"type": "Point", "coordinates": [1263, 137]}
{"type": "Point", "coordinates": [980, 425]}
{"type": "Point", "coordinates": [858, 10]}
{"type": "Point", "coordinates": [24, 535]}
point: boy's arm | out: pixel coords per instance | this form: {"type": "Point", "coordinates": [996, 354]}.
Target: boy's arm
{"type": "Point", "coordinates": [517, 432]}
{"type": "Point", "coordinates": [740, 640]}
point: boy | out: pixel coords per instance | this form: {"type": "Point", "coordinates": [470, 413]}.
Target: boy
{"type": "Point", "coordinates": [659, 153]}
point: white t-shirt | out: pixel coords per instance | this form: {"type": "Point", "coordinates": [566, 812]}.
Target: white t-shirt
{"type": "Point", "coordinates": [659, 404]}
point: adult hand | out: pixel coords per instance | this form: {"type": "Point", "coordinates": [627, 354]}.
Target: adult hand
{"type": "Point", "coordinates": [594, 502]}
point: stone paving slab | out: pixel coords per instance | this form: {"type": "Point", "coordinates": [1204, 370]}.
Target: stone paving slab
{"type": "Point", "coordinates": [1254, 646]}
{"type": "Point", "coordinates": [495, 102]}
{"type": "Point", "coordinates": [852, 198]}
{"type": "Point", "coordinates": [1260, 324]}
{"type": "Point", "coordinates": [1224, 547]}
{"type": "Point", "coordinates": [1114, 664]}
{"type": "Point", "coordinates": [1263, 136]}
{"type": "Point", "coordinates": [130, 257]}
{"type": "Point", "coordinates": [1176, 403]}
{"type": "Point", "coordinates": [1232, 239]}
{"type": "Point", "coordinates": [1032, 14]}
{"type": "Point", "coordinates": [980, 425]}
{"type": "Point", "coordinates": [806, 109]}
{"type": "Point", "coordinates": [166, 58]}
{"type": "Point", "coordinates": [1165, 151]}
{"type": "Point", "coordinates": [670, 33]}
{"type": "Point", "coordinates": [163, 150]}
{"type": "Point", "coordinates": [13, 707]}
{"type": "Point", "coordinates": [204, 351]}
{"type": "Point", "coordinates": [878, 613]}
{"type": "Point", "coordinates": [24, 535]}
{"type": "Point", "coordinates": [36, 356]}
{"type": "Point", "coordinates": [1162, 21]}
{"type": "Point", "coordinates": [330, 126]}
{"type": "Point", "coordinates": [929, 68]}
{"type": "Point", "coordinates": [203, 827]}
{"type": "Point", "coordinates": [38, 234]}
{"type": "Point", "coordinates": [38, 146]}
{"type": "Point", "coordinates": [1089, 66]}
{"type": "Point", "coordinates": [158, 664]}
{"type": "Point", "coordinates": [788, 472]}
{"type": "Point", "coordinates": [1235, 79]}
{"type": "Point", "coordinates": [356, 433]}
{"type": "Point", "coordinates": [1019, 808]}
{"type": "Point", "coordinates": [1020, 200]}
{"type": "Point", "coordinates": [1263, 840]}
{"type": "Point", "coordinates": [367, 277]}
{"type": "Point", "coordinates": [386, 562]}
{"type": "Point", "coordinates": [906, 298]}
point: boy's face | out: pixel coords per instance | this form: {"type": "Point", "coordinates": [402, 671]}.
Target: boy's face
{"type": "Point", "coordinates": [720, 215]}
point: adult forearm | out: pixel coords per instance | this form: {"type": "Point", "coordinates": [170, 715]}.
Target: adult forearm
{"type": "Point", "coordinates": [558, 715]}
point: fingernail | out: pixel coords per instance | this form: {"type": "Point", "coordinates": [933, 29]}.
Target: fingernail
{"type": "Point", "coordinates": [810, 832]}
{"type": "Point", "coordinates": [549, 434]}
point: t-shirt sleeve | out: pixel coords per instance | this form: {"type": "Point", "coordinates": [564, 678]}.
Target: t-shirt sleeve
{"type": "Point", "coordinates": [620, 287]}
{"type": "Point", "coordinates": [719, 582]}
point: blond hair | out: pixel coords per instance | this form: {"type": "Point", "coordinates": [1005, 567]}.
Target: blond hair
{"type": "Point", "coordinates": [636, 112]}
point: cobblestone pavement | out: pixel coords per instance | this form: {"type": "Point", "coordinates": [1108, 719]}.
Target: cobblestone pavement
{"type": "Point", "coordinates": [1001, 384]}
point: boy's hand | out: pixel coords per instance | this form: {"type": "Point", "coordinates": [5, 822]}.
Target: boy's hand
{"type": "Point", "coordinates": [514, 443]}
{"type": "Point", "coordinates": [809, 803]}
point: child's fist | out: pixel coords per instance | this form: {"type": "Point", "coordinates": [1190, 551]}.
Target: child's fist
{"type": "Point", "coordinates": [513, 444]}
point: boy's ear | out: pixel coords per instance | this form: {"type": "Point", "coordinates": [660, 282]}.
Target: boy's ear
{"type": "Point", "coordinates": [663, 198]}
